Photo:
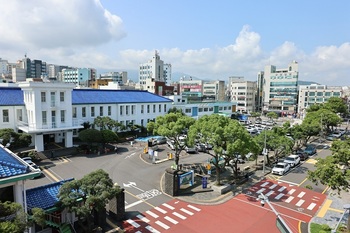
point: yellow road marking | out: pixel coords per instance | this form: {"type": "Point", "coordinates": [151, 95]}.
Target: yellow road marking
{"type": "Point", "coordinates": [47, 172]}
{"type": "Point", "coordinates": [299, 226]}
{"type": "Point", "coordinates": [312, 161]}
{"type": "Point", "coordinates": [325, 190]}
{"type": "Point", "coordinates": [302, 182]}
{"type": "Point", "coordinates": [324, 208]}
{"type": "Point", "coordinates": [336, 210]}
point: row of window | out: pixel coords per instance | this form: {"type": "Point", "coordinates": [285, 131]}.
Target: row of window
{"type": "Point", "coordinates": [53, 117]}
{"type": "Point", "coordinates": [322, 94]}
{"type": "Point", "coordinates": [52, 95]}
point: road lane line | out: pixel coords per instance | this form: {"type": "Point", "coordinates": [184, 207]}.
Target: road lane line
{"type": "Point", "coordinates": [186, 211]}
{"type": "Point", "coordinates": [194, 208]}
{"type": "Point", "coordinates": [324, 208]}
{"type": "Point", "coordinates": [311, 206]}
{"type": "Point", "coordinates": [269, 193]}
{"type": "Point", "coordinates": [260, 191]}
{"type": "Point", "coordinates": [159, 223]}
{"type": "Point", "coordinates": [289, 199]}
{"type": "Point", "coordinates": [281, 189]}
{"type": "Point", "coordinates": [133, 204]}
{"type": "Point", "coordinates": [171, 220]}
{"type": "Point", "coordinates": [273, 186]}
{"type": "Point", "coordinates": [179, 215]}
{"type": "Point", "coordinates": [131, 194]}
{"type": "Point", "coordinates": [279, 196]}
{"type": "Point", "coordinates": [51, 175]}
{"type": "Point", "coordinates": [264, 184]}
{"type": "Point", "coordinates": [291, 191]}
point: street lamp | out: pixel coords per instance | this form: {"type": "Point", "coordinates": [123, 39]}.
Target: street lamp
{"type": "Point", "coordinates": [281, 224]}
{"type": "Point", "coordinates": [347, 208]}
{"type": "Point", "coordinates": [264, 152]}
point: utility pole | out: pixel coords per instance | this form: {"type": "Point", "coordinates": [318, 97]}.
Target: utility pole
{"type": "Point", "coordinates": [264, 153]}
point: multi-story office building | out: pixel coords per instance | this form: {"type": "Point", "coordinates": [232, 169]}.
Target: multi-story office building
{"type": "Point", "coordinates": [259, 92]}
{"type": "Point", "coordinates": [280, 88]}
{"type": "Point", "coordinates": [54, 70]}
{"type": "Point", "coordinates": [79, 76]}
{"type": "Point", "coordinates": [167, 74]}
{"type": "Point", "coordinates": [3, 67]}
{"type": "Point", "coordinates": [191, 89]}
{"type": "Point", "coordinates": [33, 68]}
{"type": "Point", "coordinates": [316, 94]}
{"type": "Point", "coordinates": [243, 93]}
{"type": "Point", "coordinates": [214, 90]}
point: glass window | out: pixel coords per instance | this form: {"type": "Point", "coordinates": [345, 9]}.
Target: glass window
{"type": "Point", "coordinates": [92, 111]}
{"type": "Point", "coordinates": [319, 93]}
{"type": "Point", "coordinates": [5, 115]}
{"type": "Point", "coordinates": [328, 94]}
{"type": "Point", "coordinates": [127, 109]}
{"type": "Point", "coordinates": [101, 110]}
{"type": "Point", "coordinates": [148, 108]}
{"type": "Point", "coordinates": [121, 110]}
{"type": "Point", "coordinates": [83, 112]}
{"type": "Point", "coordinates": [62, 96]}
{"type": "Point", "coordinates": [154, 108]}
{"type": "Point", "coordinates": [109, 110]}
{"type": "Point", "coordinates": [165, 108]}
{"type": "Point", "coordinates": [53, 97]}
{"type": "Point", "coordinates": [43, 97]}
{"type": "Point", "coordinates": [74, 112]}
{"type": "Point", "coordinates": [160, 108]}
{"type": "Point", "coordinates": [187, 110]}
{"type": "Point", "coordinates": [311, 93]}
{"type": "Point", "coordinates": [142, 106]}
{"type": "Point", "coordinates": [44, 117]}
{"type": "Point", "coordinates": [133, 109]}
{"type": "Point", "coordinates": [63, 118]}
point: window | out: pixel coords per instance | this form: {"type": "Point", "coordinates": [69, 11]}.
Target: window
{"type": "Point", "coordinates": [319, 93]}
{"type": "Point", "coordinates": [43, 97]}
{"type": "Point", "coordinates": [121, 110]}
{"type": "Point", "coordinates": [165, 108]}
{"type": "Point", "coordinates": [187, 110]}
{"type": "Point", "coordinates": [92, 111]}
{"type": "Point", "coordinates": [109, 110]}
{"type": "Point", "coordinates": [83, 112]}
{"type": "Point", "coordinates": [62, 96]}
{"type": "Point", "coordinates": [44, 117]}
{"type": "Point", "coordinates": [133, 109]}
{"type": "Point", "coordinates": [142, 122]}
{"type": "Point", "coordinates": [127, 109]}
{"type": "Point", "coordinates": [101, 110]}
{"type": "Point", "coordinates": [63, 117]}
{"type": "Point", "coordinates": [74, 112]}
{"type": "Point", "coordinates": [148, 107]}
{"type": "Point", "coordinates": [311, 93]}
{"type": "Point", "coordinates": [154, 108]}
{"type": "Point", "coordinates": [142, 108]}
{"type": "Point", "coordinates": [19, 114]}
{"type": "Point", "coordinates": [53, 97]}
{"type": "Point", "coordinates": [160, 108]}
{"type": "Point", "coordinates": [5, 115]}
{"type": "Point", "coordinates": [200, 109]}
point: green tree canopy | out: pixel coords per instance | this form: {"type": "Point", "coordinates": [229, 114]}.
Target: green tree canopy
{"type": "Point", "coordinates": [333, 170]}
{"type": "Point", "coordinates": [12, 217]}
{"type": "Point", "coordinates": [272, 115]}
{"type": "Point", "coordinates": [108, 136]}
{"type": "Point", "coordinates": [90, 136]}
{"type": "Point", "coordinates": [326, 119]}
{"type": "Point", "coordinates": [105, 123]}
{"type": "Point", "coordinates": [89, 194]}
{"type": "Point", "coordinates": [172, 126]}
{"type": "Point", "coordinates": [336, 105]}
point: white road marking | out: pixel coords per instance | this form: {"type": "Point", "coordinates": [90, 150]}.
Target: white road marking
{"type": "Point", "coordinates": [168, 206]}
{"type": "Point", "coordinates": [186, 211]}
{"type": "Point", "coordinates": [160, 210]}
{"type": "Point", "coordinates": [273, 186]}
{"type": "Point", "coordinates": [300, 202]}
{"type": "Point", "coordinates": [194, 208]}
{"type": "Point", "coordinates": [179, 215]}
{"type": "Point", "coordinates": [291, 191]}
{"type": "Point", "coordinates": [133, 223]}
{"type": "Point", "coordinates": [133, 204]}
{"type": "Point", "coordinates": [171, 220]}
{"type": "Point", "coordinates": [142, 218]}
{"type": "Point", "coordinates": [264, 184]}
{"type": "Point", "coordinates": [261, 190]}
{"type": "Point", "coordinates": [269, 193]}
{"type": "Point", "coordinates": [279, 196]}
{"type": "Point", "coordinates": [166, 227]}
{"type": "Point", "coordinates": [289, 199]}
{"type": "Point", "coordinates": [281, 189]}
{"type": "Point", "coordinates": [301, 194]}
{"type": "Point", "coordinates": [311, 206]}
{"type": "Point", "coordinates": [152, 214]}
{"type": "Point", "coordinates": [151, 229]}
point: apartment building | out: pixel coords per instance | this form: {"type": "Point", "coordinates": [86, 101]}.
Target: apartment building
{"type": "Point", "coordinates": [79, 76]}
{"type": "Point", "coordinates": [243, 93]}
{"type": "Point", "coordinates": [214, 90]}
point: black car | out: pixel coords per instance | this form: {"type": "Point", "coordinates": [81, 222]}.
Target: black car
{"type": "Point", "coordinates": [302, 155]}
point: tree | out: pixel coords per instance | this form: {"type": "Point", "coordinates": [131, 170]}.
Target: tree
{"type": "Point", "coordinates": [272, 115]}
{"type": "Point", "coordinates": [108, 136]}
{"type": "Point", "coordinates": [326, 119]}
{"type": "Point", "coordinates": [227, 137]}
{"type": "Point", "coordinates": [17, 140]}
{"type": "Point", "coordinates": [86, 196]}
{"type": "Point", "coordinates": [105, 123]}
{"type": "Point", "coordinates": [39, 216]}
{"type": "Point", "coordinates": [172, 126]}
{"type": "Point", "coordinates": [90, 136]}
{"type": "Point", "coordinates": [12, 217]}
{"type": "Point", "coordinates": [175, 110]}
{"type": "Point", "coordinates": [333, 170]}
{"type": "Point", "coordinates": [336, 105]}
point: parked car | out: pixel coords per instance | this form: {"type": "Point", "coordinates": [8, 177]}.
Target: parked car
{"type": "Point", "coordinates": [161, 140]}
{"type": "Point", "coordinates": [302, 155]}
{"type": "Point", "coordinates": [280, 168]}
{"type": "Point", "coordinates": [200, 147]}
{"type": "Point", "coordinates": [292, 160]}
{"type": "Point", "coordinates": [32, 164]}
{"type": "Point", "coordinates": [310, 150]}
{"type": "Point", "coordinates": [190, 150]}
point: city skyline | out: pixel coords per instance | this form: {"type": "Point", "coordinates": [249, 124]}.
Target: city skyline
{"type": "Point", "coordinates": [209, 40]}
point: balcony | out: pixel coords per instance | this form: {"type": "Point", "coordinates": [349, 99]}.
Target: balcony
{"type": "Point", "coordinates": [50, 127]}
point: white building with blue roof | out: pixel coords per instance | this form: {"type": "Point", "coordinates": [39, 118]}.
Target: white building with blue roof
{"type": "Point", "coordinates": [54, 111]}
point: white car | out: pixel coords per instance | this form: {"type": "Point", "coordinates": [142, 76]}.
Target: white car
{"type": "Point", "coordinates": [280, 168]}
{"type": "Point", "coordinates": [292, 160]}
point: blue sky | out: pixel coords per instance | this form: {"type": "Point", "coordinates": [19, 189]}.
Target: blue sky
{"type": "Point", "coordinates": [206, 39]}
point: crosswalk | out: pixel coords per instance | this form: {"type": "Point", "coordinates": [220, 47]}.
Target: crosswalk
{"type": "Point", "coordinates": [161, 218]}
{"type": "Point", "coordinates": [294, 197]}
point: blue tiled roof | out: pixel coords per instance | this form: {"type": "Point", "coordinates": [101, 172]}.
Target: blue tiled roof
{"type": "Point", "coordinates": [10, 166]}
{"type": "Point", "coordinates": [11, 96]}
{"type": "Point", "coordinates": [95, 96]}
{"type": "Point", "coordinates": [14, 96]}
{"type": "Point", "coordinates": [44, 197]}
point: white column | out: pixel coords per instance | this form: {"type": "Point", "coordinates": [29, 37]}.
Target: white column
{"type": "Point", "coordinates": [68, 140]}
{"type": "Point", "coordinates": [39, 142]}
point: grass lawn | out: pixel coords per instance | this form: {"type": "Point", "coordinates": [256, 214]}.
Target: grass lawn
{"type": "Point", "coordinates": [316, 228]}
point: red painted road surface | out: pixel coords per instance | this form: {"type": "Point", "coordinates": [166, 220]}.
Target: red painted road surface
{"type": "Point", "coordinates": [241, 214]}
